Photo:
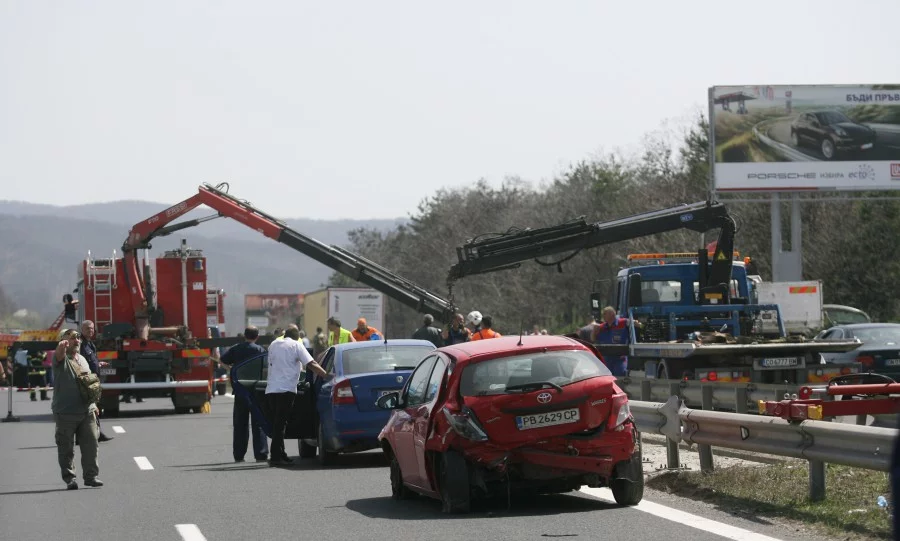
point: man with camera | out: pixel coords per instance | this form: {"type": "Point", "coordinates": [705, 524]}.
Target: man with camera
{"type": "Point", "coordinates": [73, 414]}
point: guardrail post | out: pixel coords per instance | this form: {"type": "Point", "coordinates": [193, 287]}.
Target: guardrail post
{"type": "Point", "coordinates": [706, 454]}
{"type": "Point", "coordinates": [816, 480]}
{"type": "Point", "coordinates": [646, 392]}
{"type": "Point", "coordinates": [673, 461]}
{"type": "Point", "coordinates": [740, 400]}
{"type": "Point", "coordinates": [861, 419]}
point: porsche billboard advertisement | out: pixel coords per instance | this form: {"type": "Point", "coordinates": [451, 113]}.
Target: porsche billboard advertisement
{"type": "Point", "coordinates": [797, 138]}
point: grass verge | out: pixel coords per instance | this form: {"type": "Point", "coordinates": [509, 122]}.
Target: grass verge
{"type": "Point", "coordinates": [780, 491]}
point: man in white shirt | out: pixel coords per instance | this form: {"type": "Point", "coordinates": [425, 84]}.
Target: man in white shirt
{"type": "Point", "coordinates": [288, 360]}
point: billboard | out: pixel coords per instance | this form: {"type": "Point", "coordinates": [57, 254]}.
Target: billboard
{"type": "Point", "coordinates": [270, 310]}
{"type": "Point", "coordinates": [798, 138]}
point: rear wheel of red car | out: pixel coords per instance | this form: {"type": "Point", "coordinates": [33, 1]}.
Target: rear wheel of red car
{"type": "Point", "coordinates": [627, 483]}
{"type": "Point", "coordinates": [398, 489]}
{"type": "Point", "coordinates": [454, 483]}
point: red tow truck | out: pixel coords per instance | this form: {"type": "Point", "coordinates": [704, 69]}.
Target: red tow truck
{"type": "Point", "coordinates": [154, 319]}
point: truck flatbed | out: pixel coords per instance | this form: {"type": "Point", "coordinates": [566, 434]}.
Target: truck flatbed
{"type": "Point", "coordinates": [683, 350]}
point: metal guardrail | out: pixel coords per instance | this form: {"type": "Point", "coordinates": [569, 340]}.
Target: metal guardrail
{"type": "Point", "coordinates": [818, 442]}
{"type": "Point", "coordinates": [737, 397]}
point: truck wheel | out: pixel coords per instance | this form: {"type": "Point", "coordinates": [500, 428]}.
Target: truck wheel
{"type": "Point", "coordinates": [627, 484]}
{"type": "Point", "coordinates": [456, 495]}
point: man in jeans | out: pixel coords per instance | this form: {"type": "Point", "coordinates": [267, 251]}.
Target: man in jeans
{"type": "Point", "coordinates": [287, 361]}
{"type": "Point", "coordinates": [238, 353]}
{"type": "Point", "coordinates": [73, 415]}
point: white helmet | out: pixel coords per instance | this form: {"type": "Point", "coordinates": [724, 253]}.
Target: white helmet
{"type": "Point", "coordinates": [474, 318]}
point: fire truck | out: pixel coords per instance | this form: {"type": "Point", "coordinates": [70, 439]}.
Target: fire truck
{"type": "Point", "coordinates": [700, 312]}
{"type": "Point", "coordinates": [153, 318]}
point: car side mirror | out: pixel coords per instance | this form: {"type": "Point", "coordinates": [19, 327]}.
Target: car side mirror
{"type": "Point", "coordinates": [389, 401]}
{"type": "Point", "coordinates": [634, 290]}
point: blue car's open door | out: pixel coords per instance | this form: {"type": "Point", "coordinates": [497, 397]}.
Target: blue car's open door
{"type": "Point", "coordinates": [249, 381]}
{"type": "Point", "coordinates": [250, 378]}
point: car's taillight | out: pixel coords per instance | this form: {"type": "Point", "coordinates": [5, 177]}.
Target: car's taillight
{"type": "Point", "coordinates": [620, 412]}
{"type": "Point", "coordinates": [866, 360]}
{"type": "Point", "coordinates": [343, 393]}
{"type": "Point", "coordinates": [465, 424]}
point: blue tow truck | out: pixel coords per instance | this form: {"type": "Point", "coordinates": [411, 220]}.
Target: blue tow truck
{"type": "Point", "coordinates": [699, 311]}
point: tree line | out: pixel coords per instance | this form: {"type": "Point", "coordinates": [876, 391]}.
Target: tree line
{"type": "Point", "coordinates": [849, 244]}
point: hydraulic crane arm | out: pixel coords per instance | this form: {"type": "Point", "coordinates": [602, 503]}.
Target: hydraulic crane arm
{"type": "Point", "coordinates": [355, 267]}
{"type": "Point", "coordinates": [509, 250]}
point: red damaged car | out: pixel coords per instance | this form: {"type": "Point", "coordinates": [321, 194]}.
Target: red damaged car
{"type": "Point", "coordinates": [539, 413]}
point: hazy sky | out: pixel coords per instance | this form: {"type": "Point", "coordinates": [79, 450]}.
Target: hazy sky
{"type": "Point", "coordinates": [377, 105]}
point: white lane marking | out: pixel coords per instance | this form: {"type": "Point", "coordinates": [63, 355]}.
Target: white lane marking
{"type": "Point", "coordinates": [694, 521]}
{"type": "Point", "coordinates": [143, 463]}
{"type": "Point", "coordinates": [118, 430]}
{"type": "Point", "coordinates": [190, 532]}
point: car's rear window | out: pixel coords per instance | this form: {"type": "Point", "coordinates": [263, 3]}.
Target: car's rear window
{"type": "Point", "coordinates": [557, 367]}
{"type": "Point", "coordinates": [382, 358]}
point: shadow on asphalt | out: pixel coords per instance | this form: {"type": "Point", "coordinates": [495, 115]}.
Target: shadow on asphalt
{"type": "Point", "coordinates": [343, 462]}
{"type": "Point", "coordinates": [421, 507]}
{"type": "Point", "coordinates": [23, 492]}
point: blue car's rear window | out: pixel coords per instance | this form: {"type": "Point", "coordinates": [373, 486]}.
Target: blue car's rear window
{"type": "Point", "coordinates": [382, 358]}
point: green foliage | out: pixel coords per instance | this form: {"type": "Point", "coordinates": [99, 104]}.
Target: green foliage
{"type": "Point", "coordinates": [848, 245]}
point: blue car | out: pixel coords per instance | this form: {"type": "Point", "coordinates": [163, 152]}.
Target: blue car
{"type": "Point", "coordinates": [336, 414]}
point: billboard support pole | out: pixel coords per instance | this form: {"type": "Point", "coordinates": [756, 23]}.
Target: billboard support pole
{"type": "Point", "coordinates": [795, 267]}
{"type": "Point", "coordinates": [776, 237]}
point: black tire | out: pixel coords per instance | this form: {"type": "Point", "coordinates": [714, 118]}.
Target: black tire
{"type": "Point", "coordinates": [181, 410]}
{"type": "Point", "coordinates": [307, 450]}
{"type": "Point", "coordinates": [399, 491]}
{"type": "Point", "coordinates": [627, 483]}
{"type": "Point", "coordinates": [222, 388]}
{"type": "Point", "coordinates": [326, 457]}
{"type": "Point", "coordinates": [456, 496]}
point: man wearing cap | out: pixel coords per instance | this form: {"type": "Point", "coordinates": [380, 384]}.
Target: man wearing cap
{"type": "Point", "coordinates": [362, 332]}
{"type": "Point", "coordinates": [73, 415]}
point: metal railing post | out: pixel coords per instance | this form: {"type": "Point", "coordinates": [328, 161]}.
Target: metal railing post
{"type": "Point", "coordinates": [705, 450]}
{"type": "Point", "coordinates": [740, 400]}
{"type": "Point", "coordinates": [10, 418]}
{"type": "Point", "coordinates": [672, 459]}
{"type": "Point", "coordinates": [646, 392]}
{"type": "Point", "coordinates": [816, 480]}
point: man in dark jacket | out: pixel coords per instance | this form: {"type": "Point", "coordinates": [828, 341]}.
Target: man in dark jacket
{"type": "Point", "coordinates": [241, 352]}
{"type": "Point", "coordinates": [88, 350]}
{"type": "Point", "coordinates": [429, 332]}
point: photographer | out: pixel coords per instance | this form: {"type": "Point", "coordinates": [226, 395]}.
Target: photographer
{"type": "Point", "coordinates": [456, 332]}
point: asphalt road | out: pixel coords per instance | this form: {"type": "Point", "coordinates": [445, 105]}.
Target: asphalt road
{"type": "Point", "coordinates": [887, 142]}
{"type": "Point", "coordinates": [193, 481]}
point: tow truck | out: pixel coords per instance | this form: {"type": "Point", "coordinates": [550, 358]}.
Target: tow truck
{"type": "Point", "coordinates": [700, 318]}
{"type": "Point", "coordinates": [153, 323]}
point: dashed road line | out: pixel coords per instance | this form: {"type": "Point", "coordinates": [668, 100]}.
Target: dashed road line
{"type": "Point", "coordinates": [118, 430]}
{"type": "Point", "coordinates": [143, 463]}
{"type": "Point", "coordinates": [190, 532]}
{"type": "Point", "coordinates": [694, 521]}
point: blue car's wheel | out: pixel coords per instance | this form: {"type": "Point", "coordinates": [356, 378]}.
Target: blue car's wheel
{"type": "Point", "coordinates": [326, 457]}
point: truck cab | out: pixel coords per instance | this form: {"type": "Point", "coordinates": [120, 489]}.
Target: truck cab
{"type": "Point", "coordinates": [663, 292]}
